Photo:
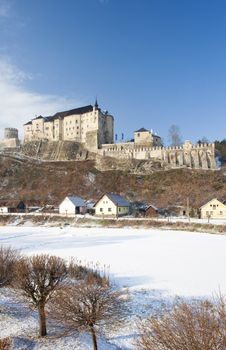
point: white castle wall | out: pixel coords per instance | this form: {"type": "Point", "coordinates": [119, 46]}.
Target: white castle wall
{"type": "Point", "coordinates": [194, 156]}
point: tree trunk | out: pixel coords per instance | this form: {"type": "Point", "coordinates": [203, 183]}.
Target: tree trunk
{"type": "Point", "coordinates": [42, 321]}
{"type": "Point", "coordinates": [94, 338]}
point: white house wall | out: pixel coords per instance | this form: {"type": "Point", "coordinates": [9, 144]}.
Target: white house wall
{"type": "Point", "coordinates": [67, 207]}
{"type": "Point", "coordinates": [214, 209]}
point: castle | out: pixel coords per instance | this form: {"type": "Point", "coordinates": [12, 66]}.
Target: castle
{"type": "Point", "coordinates": [87, 125]}
{"type": "Point", "coordinates": [93, 129]}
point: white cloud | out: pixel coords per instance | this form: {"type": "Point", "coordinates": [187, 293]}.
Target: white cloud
{"type": "Point", "coordinates": [18, 104]}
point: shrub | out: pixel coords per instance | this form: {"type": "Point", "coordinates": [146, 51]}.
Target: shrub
{"type": "Point", "coordinates": [198, 325]}
{"type": "Point", "coordinates": [5, 344]}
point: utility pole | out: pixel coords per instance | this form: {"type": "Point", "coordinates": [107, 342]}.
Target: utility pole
{"type": "Point", "coordinates": [188, 209]}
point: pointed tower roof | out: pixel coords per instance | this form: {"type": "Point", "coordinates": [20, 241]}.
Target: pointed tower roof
{"type": "Point", "coordinates": [96, 103]}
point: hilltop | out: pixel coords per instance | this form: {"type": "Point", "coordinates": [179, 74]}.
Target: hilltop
{"type": "Point", "coordinates": [49, 182]}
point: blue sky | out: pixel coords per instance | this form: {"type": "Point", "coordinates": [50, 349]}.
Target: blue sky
{"type": "Point", "coordinates": [151, 63]}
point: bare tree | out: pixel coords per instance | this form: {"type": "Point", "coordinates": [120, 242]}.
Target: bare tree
{"type": "Point", "coordinates": [199, 325]}
{"type": "Point", "coordinates": [8, 259]}
{"type": "Point", "coordinates": [174, 135]}
{"type": "Point", "coordinates": [88, 306]}
{"type": "Point", "coordinates": [37, 277]}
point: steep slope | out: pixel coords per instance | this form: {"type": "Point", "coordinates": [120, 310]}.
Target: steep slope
{"type": "Point", "coordinates": [49, 182]}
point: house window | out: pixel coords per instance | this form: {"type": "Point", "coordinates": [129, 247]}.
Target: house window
{"type": "Point", "coordinates": [109, 209]}
{"type": "Point", "coordinates": [221, 212]}
{"type": "Point", "coordinates": [138, 135]}
{"type": "Point", "coordinates": [119, 209]}
{"type": "Point", "coordinates": [101, 209]}
{"type": "Point", "coordinates": [214, 207]}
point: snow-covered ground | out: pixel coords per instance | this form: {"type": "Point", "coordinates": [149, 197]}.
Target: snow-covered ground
{"type": "Point", "coordinates": [154, 264]}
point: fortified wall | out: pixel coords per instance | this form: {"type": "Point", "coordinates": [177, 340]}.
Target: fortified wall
{"type": "Point", "coordinates": [198, 156]}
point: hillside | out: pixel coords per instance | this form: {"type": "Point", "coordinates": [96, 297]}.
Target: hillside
{"type": "Point", "coordinates": [39, 182]}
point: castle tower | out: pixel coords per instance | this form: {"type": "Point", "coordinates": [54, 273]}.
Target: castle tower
{"type": "Point", "coordinates": [11, 139]}
{"type": "Point", "coordinates": [10, 133]}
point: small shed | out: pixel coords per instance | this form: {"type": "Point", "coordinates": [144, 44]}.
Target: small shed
{"type": "Point", "coordinates": [12, 206]}
{"type": "Point", "coordinates": [72, 205]}
{"type": "Point", "coordinates": [151, 211]}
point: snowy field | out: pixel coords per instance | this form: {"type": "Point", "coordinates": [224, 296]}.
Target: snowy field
{"type": "Point", "coordinates": [155, 265]}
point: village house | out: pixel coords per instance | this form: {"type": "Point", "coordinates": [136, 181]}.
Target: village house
{"type": "Point", "coordinates": [12, 206]}
{"type": "Point", "coordinates": [72, 205]}
{"type": "Point", "coordinates": [214, 209]}
{"type": "Point", "coordinates": [112, 205]}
